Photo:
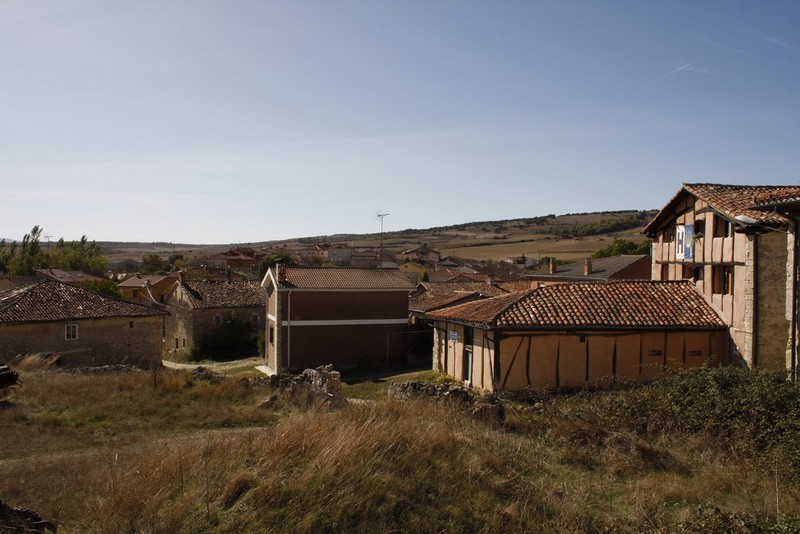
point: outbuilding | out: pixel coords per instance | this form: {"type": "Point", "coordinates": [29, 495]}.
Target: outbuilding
{"type": "Point", "coordinates": [578, 335]}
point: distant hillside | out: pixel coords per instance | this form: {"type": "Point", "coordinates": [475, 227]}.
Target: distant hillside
{"type": "Point", "coordinates": [568, 236]}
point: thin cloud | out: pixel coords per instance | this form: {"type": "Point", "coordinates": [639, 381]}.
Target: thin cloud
{"type": "Point", "coordinates": [728, 48]}
{"type": "Point", "coordinates": [670, 73]}
{"type": "Point", "coordinates": [779, 42]}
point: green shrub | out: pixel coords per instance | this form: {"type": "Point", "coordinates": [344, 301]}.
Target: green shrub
{"type": "Point", "coordinates": [757, 410]}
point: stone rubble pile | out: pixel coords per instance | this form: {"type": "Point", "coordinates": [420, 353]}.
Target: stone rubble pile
{"type": "Point", "coordinates": [321, 386]}
{"type": "Point", "coordinates": [483, 406]}
{"type": "Point", "coordinates": [18, 519]}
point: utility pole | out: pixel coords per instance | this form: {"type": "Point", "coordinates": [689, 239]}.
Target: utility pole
{"type": "Point", "coordinates": [381, 217]}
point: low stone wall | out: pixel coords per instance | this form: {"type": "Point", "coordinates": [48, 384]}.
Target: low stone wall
{"type": "Point", "coordinates": [483, 406]}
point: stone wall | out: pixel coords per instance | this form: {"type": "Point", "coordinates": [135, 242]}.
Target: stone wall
{"type": "Point", "coordinates": [774, 298]}
{"type": "Point", "coordinates": [119, 340]}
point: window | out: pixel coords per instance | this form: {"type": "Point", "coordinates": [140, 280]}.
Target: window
{"type": "Point", "coordinates": [699, 228]}
{"type": "Point", "coordinates": [727, 280]}
{"type": "Point", "coordinates": [723, 279]}
{"type": "Point", "coordinates": [697, 273]}
{"type": "Point", "coordinates": [130, 324]}
{"type": "Point", "coordinates": [271, 335]}
{"type": "Point", "coordinates": [176, 342]}
{"type": "Point", "coordinates": [722, 227]}
{"type": "Point", "coordinates": [217, 320]}
{"type": "Point", "coordinates": [71, 331]}
{"type": "Point", "coordinates": [255, 318]}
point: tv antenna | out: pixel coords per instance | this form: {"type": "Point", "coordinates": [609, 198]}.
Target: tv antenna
{"type": "Point", "coordinates": [48, 243]}
{"type": "Point", "coordinates": [380, 215]}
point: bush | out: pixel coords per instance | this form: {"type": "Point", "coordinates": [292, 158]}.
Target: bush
{"type": "Point", "coordinates": [757, 410]}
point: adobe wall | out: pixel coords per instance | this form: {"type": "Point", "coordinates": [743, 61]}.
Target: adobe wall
{"type": "Point", "coordinates": [134, 341]}
{"type": "Point", "coordinates": [735, 251]}
{"type": "Point", "coordinates": [560, 360]}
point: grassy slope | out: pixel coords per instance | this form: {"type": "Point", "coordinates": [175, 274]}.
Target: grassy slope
{"type": "Point", "coordinates": [137, 452]}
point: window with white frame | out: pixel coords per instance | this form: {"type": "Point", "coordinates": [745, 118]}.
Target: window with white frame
{"type": "Point", "coordinates": [71, 331]}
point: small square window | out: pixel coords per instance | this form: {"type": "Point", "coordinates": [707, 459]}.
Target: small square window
{"type": "Point", "coordinates": [217, 320]}
{"type": "Point", "coordinates": [71, 331]}
{"type": "Point", "coordinates": [255, 318]}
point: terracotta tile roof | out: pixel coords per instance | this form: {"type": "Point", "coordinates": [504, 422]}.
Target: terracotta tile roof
{"type": "Point", "coordinates": [729, 200]}
{"type": "Point", "coordinates": [50, 300]}
{"type": "Point", "coordinates": [605, 305]}
{"type": "Point", "coordinates": [140, 281]}
{"type": "Point", "coordinates": [788, 195]}
{"type": "Point", "coordinates": [225, 294]}
{"type": "Point", "coordinates": [344, 278]}
{"type": "Point", "coordinates": [511, 286]}
{"type": "Point", "coordinates": [68, 277]}
{"type": "Point", "coordinates": [485, 289]}
{"type": "Point", "coordinates": [602, 268]}
{"type": "Point", "coordinates": [429, 302]}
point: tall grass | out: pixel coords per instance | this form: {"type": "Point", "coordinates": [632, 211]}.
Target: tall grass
{"type": "Point", "coordinates": [203, 458]}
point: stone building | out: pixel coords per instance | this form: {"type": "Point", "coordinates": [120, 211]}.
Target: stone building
{"type": "Point", "coordinates": [83, 327]}
{"type": "Point", "coordinates": [197, 308]}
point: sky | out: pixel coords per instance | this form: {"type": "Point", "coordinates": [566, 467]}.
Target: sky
{"type": "Point", "coordinates": [233, 121]}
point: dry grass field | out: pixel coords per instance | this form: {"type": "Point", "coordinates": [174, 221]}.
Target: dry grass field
{"type": "Point", "coordinates": [143, 452]}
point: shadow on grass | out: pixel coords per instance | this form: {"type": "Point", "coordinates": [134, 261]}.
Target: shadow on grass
{"type": "Point", "coordinates": [360, 376]}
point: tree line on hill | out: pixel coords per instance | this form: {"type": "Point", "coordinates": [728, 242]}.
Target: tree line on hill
{"type": "Point", "coordinates": [23, 258]}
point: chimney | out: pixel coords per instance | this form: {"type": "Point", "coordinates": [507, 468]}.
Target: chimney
{"type": "Point", "coordinates": [587, 267]}
{"type": "Point", "coordinates": [280, 272]}
{"type": "Point", "coordinates": [552, 266]}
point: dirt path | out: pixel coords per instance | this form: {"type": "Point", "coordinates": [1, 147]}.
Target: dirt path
{"type": "Point", "coordinates": [217, 367]}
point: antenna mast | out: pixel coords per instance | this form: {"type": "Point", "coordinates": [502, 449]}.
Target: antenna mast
{"type": "Point", "coordinates": [381, 217]}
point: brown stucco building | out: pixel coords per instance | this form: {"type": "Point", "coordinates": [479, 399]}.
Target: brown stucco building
{"type": "Point", "coordinates": [84, 327]}
{"type": "Point", "coordinates": [341, 316]}
{"type": "Point", "coordinates": [577, 335]}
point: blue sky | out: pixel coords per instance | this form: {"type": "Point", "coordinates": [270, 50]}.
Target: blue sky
{"type": "Point", "coordinates": [236, 121]}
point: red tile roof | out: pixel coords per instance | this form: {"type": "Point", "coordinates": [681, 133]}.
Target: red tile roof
{"type": "Point", "coordinates": [140, 281]}
{"type": "Point", "coordinates": [54, 301]}
{"type": "Point", "coordinates": [729, 200]}
{"type": "Point", "coordinates": [485, 289]}
{"type": "Point", "coordinates": [428, 302]}
{"type": "Point", "coordinates": [344, 278]}
{"type": "Point", "coordinates": [605, 305]}
{"type": "Point", "coordinates": [225, 294]}
{"type": "Point", "coordinates": [786, 196]}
